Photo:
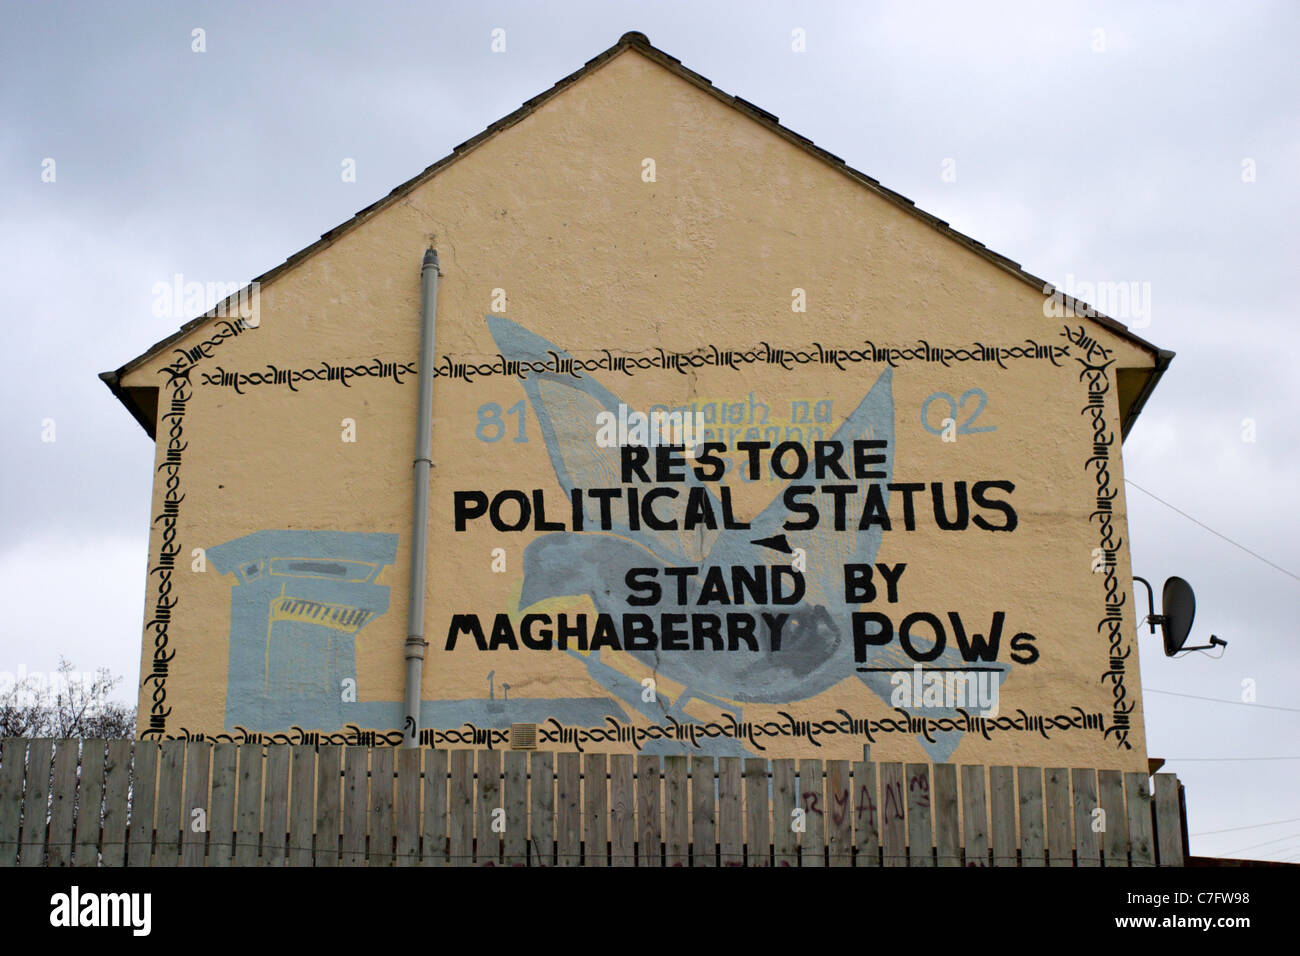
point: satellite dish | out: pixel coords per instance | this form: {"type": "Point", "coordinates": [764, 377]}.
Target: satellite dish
{"type": "Point", "coordinates": [1178, 607]}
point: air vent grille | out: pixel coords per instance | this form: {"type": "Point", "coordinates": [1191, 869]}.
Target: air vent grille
{"type": "Point", "coordinates": [523, 736]}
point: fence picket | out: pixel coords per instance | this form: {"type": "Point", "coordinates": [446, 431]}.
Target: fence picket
{"type": "Point", "coordinates": [1086, 845]}
{"type": "Point", "coordinates": [893, 818]}
{"type": "Point", "coordinates": [676, 811]}
{"type": "Point", "coordinates": [171, 775]}
{"type": "Point", "coordinates": [144, 791]}
{"type": "Point", "coordinates": [943, 797]}
{"type": "Point", "coordinates": [434, 827]}
{"type": "Point", "coordinates": [380, 852]}
{"type": "Point", "coordinates": [866, 813]}
{"type": "Point", "coordinates": [812, 798]}
{"type": "Point", "coordinates": [356, 772]}
{"type": "Point", "coordinates": [275, 811]}
{"type": "Point", "coordinates": [487, 849]}
{"type": "Point", "coordinates": [248, 804]}
{"type": "Point", "coordinates": [541, 842]}
{"type": "Point", "coordinates": [117, 781]}
{"type": "Point", "coordinates": [195, 826]}
{"type": "Point", "coordinates": [703, 812]}
{"type": "Point", "coordinates": [90, 809]}
{"type": "Point", "coordinates": [622, 811]}
{"type": "Point", "coordinates": [1060, 839]}
{"type": "Point", "coordinates": [1141, 838]}
{"type": "Point", "coordinates": [410, 768]}
{"type": "Point", "coordinates": [1115, 844]}
{"type": "Point", "coordinates": [221, 815]}
{"type": "Point", "coordinates": [839, 818]}
{"type": "Point", "coordinates": [785, 800]}
{"type": "Point", "coordinates": [1002, 810]}
{"type": "Point", "coordinates": [460, 808]}
{"type": "Point", "coordinates": [516, 804]}
{"type": "Point", "coordinates": [14, 754]}
{"type": "Point", "coordinates": [36, 802]}
{"type": "Point", "coordinates": [731, 823]}
{"type": "Point", "coordinates": [920, 847]}
{"type": "Point", "coordinates": [595, 812]}
{"type": "Point", "coordinates": [757, 821]}
{"type": "Point", "coordinates": [329, 762]}
{"type": "Point", "coordinates": [1169, 831]}
{"type": "Point", "coordinates": [568, 806]}
{"type": "Point", "coordinates": [302, 794]}
{"type": "Point", "coordinates": [974, 817]}
{"type": "Point", "coordinates": [1032, 835]}
{"type": "Point", "coordinates": [63, 802]}
{"type": "Point", "coordinates": [648, 812]}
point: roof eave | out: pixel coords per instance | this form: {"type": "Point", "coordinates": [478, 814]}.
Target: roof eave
{"type": "Point", "coordinates": [641, 43]}
{"type": "Point", "coordinates": [114, 382]}
{"type": "Point", "coordinates": [1163, 358]}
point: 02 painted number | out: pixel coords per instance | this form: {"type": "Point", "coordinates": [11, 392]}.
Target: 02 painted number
{"type": "Point", "coordinates": [965, 428]}
{"type": "Point", "coordinates": [492, 426]}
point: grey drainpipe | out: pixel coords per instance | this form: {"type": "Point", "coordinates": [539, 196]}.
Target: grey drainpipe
{"type": "Point", "coordinates": [415, 642]}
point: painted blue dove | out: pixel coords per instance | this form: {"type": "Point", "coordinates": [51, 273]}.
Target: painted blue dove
{"type": "Point", "coordinates": [816, 643]}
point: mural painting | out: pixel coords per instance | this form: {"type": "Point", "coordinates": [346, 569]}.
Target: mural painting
{"type": "Point", "coordinates": [761, 465]}
{"type": "Point", "coordinates": [640, 567]}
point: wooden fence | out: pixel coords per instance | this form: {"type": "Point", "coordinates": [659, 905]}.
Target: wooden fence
{"type": "Point", "coordinates": [195, 803]}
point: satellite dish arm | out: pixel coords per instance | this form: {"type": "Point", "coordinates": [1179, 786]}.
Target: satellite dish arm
{"type": "Point", "coordinates": [1152, 617]}
{"type": "Point", "coordinates": [1214, 642]}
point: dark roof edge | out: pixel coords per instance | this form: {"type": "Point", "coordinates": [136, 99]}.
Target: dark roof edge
{"type": "Point", "coordinates": [1163, 358]}
{"type": "Point", "coordinates": [641, 43]}
{"type": "Point", "coordinates": [114, 383]}
{"type": "Point", "coordinates": [396, 193]}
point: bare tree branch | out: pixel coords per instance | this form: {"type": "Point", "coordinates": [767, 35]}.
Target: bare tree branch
{"type": "Point", "coordinates": [69, 706]}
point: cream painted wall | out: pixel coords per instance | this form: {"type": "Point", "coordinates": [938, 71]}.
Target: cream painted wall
{"type": "Point", "coordinates": [554, 211]}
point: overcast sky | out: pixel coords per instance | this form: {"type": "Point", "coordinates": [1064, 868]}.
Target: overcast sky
{"type": "Point", "coordinates": [1152, 143]}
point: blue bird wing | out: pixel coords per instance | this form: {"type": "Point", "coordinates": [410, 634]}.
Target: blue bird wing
{"type": "Point", "coordinates": [827, 550]}
{"type": "Point", "coordinates": [566, 407]}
